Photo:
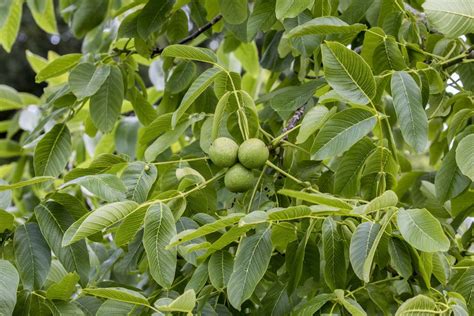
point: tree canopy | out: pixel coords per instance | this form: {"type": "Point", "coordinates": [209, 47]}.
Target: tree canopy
{"type": "Point", "coordinates": [231, 157]}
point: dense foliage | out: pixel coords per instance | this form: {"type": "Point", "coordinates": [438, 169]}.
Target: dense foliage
{"type": "Point", "coordinates": [116, 200]}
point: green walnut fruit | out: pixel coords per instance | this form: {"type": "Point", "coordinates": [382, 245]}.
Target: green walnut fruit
{"type": "Point", "coordinates": [223, 152]}
{"type": "Point", "coordinates": [239, 179]}
{"type": "Point", "coordinates": [253, 153]}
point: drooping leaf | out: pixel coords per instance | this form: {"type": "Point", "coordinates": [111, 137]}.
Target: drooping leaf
{"type": "Point", "coordinates": [387, 56]}
{"type": "Point", "coordinates": [290, 8]}
{"type": "Point", "coordinates": [422, 230]}
{"type": "Point", "coordinates": [251, 262]}
{"type": "Point", "coordinates": [106, 103]}
{"type": "Point", "coordinates": [160, 229]}
{"type": "Point", "coordinates": [400, 258]}
{"type": "Point", "coordinates": [220, 269]}
{"type": "Point", "coordinates": [312, 121]}
{"type": "Point", "coordinates": [52, 151]}
{"type": "Point", "coordinates": [234, 11]}
{"type": "Point", "coordinates": [32, 255]}
{"type": "Point", "coordinates": [101, 218]}
{"type": "Point", "coordinates": [347, 73]}
{"type": "Point", "coordinates": [347, 176]}
{"type": "Point", "coordinates": [153, 16]}
{"type": "Point", "coordinates": [53, 220]}
{"type": "Point", "coordinates": [86, 79]}
{"type": "Point", "coordinates": [362, 242]}
{"type": "Point", "coordinates": [341, 131]}
{"type": "Point", "coordinates": [334, 254]}
{"type": "Point", "coordinates": [197, 88]}
{"type": "Point", "coordinates": [465, 156]}
{"type": "Point", "coordinates": [449, 180]}
{"type": "Point", "coordinates": [408, 106]}
{"type": "Point", "coordinates": [9, 280]}
{"type": "Point", "coordinates": [25, 183]}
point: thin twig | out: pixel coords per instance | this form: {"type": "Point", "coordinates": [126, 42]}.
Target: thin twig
{"type": "Point", "coordinates": [192, 36]}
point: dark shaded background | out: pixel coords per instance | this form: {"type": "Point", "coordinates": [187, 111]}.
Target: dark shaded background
{"type": "Point", "coordinates": [14, 68]}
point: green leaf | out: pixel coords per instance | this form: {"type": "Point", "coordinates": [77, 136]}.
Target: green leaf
{"type": "Point", "coordinates": [362, 241]}
{"type": "Point", "coordinates": [88, 15]}
{"type": "Point", "coordinates": [341, 131]}
{"type": "Point", "coordinates": [334, 254]}
{"type": "Point", "coordinates": [387, 56]}
{"type": "Point", "coordinates": [25, 183]}
{"type": "Point", "coordinates": [387, 199]}
{"type": "Point", "coordinates": [182, 76]}
{"type": "Point", "coordinates": [312, 121]}
{"type": "Point", "coordinates": [130, 226]}
{"type": "Point", "coordinates": [160, 229]}
{"type": "Point", "coordinates": [163, 142]}
{"type": "Point", "coordinates": [233, 11]}
{"type": "Point", "coordinates": [9, 280]}
{"type": "Point", "coordinates": [220, 269]}
{"type": "Point", "coordinates": [454, 19]}
{"type": "Point", "coordinates": [86, 79]}
{"type": "Point", "coordinates": [411, 115]}
{"type": "Point", "coordinates": [465, 156]}
{"type": "Point", "coordinates": [286, 100]}
{"type": "Point", "coordinates": [52, 151]}
{"type": "Point", "coordinates": [227, 238]}
{"type": "Point", "coordinates": [153, 16]}
{"type": "Point", "coordinates": [58, 66]}
{"type": "Point", "coordinates": [53, 220]}
{"type": "Point", "coordinates": [449, 180]}
{"type": "Point", "coordinates": [197, 88]}
{"type": "Point", "coordinates": [105, 105]}
{"type": "Point", "coordinates": [372, 39]}
{"type": "Point", "coordinates": [251, 262]}
{"type": "Point", "coordinates": [418, 305]}
{"type": "Point", "coordinates": [6, 221]}
{"type": "Point", "coordinates": [290, 8]}
{"type": "Point", "coordinates": [314, 304]}
{"type": "Point", "coordinates": [290, 213]}
{"type": "Point", "coordinates": [101, 218]}
{"type": "Point", "coordinates": [316, 198]}
{"type": "Point", "coordinates": [348, 73]}
{"type": "Point", "coordinates": [326, 26]}
{"type": "Point", "coordinates": [261, 18]}
{"type": "Point", "coordinates": [9, 99]}
{"type": "Point", "coordinates": [347, 176]}
{"type": "Point", "coordinates": [206, 229]}
{"type": "Point", "coordinates": [11, 26]}
{"type": "Point", "coordinates": [117, 294]}
{"type": "Point", "coordinates": [63, 289]}
{"type": "Point", "coordinates": [400, 258]}
{"type": "Point", "coordinates": [189, 52]}
{"type": "Point", "coordinates": [45, 18]}
{"type": "Point", "coordinates": [138, 178]}
{"type": "Point", "coordinates": [33, 256]}
{"type": "Point", "coordinates": [182, 304]}
{"type": "Point", "coordinates": [107, 187]}
{"type": "Point", "coordinates": [422, 230]}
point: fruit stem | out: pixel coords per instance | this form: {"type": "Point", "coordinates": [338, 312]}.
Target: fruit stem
{"type": "Point", "coordinates": [275, 167]}
{"type": "Point", "coordinates": [180, 160]}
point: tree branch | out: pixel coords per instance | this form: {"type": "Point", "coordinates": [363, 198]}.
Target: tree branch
{"type": "Point", "coordinates": [469, 54]}
{"type": "Point", "coordinates": [192, 36]}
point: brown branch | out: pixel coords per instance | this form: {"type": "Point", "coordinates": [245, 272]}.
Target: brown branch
{"type": "Point", "coordinates": [192, 36]}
